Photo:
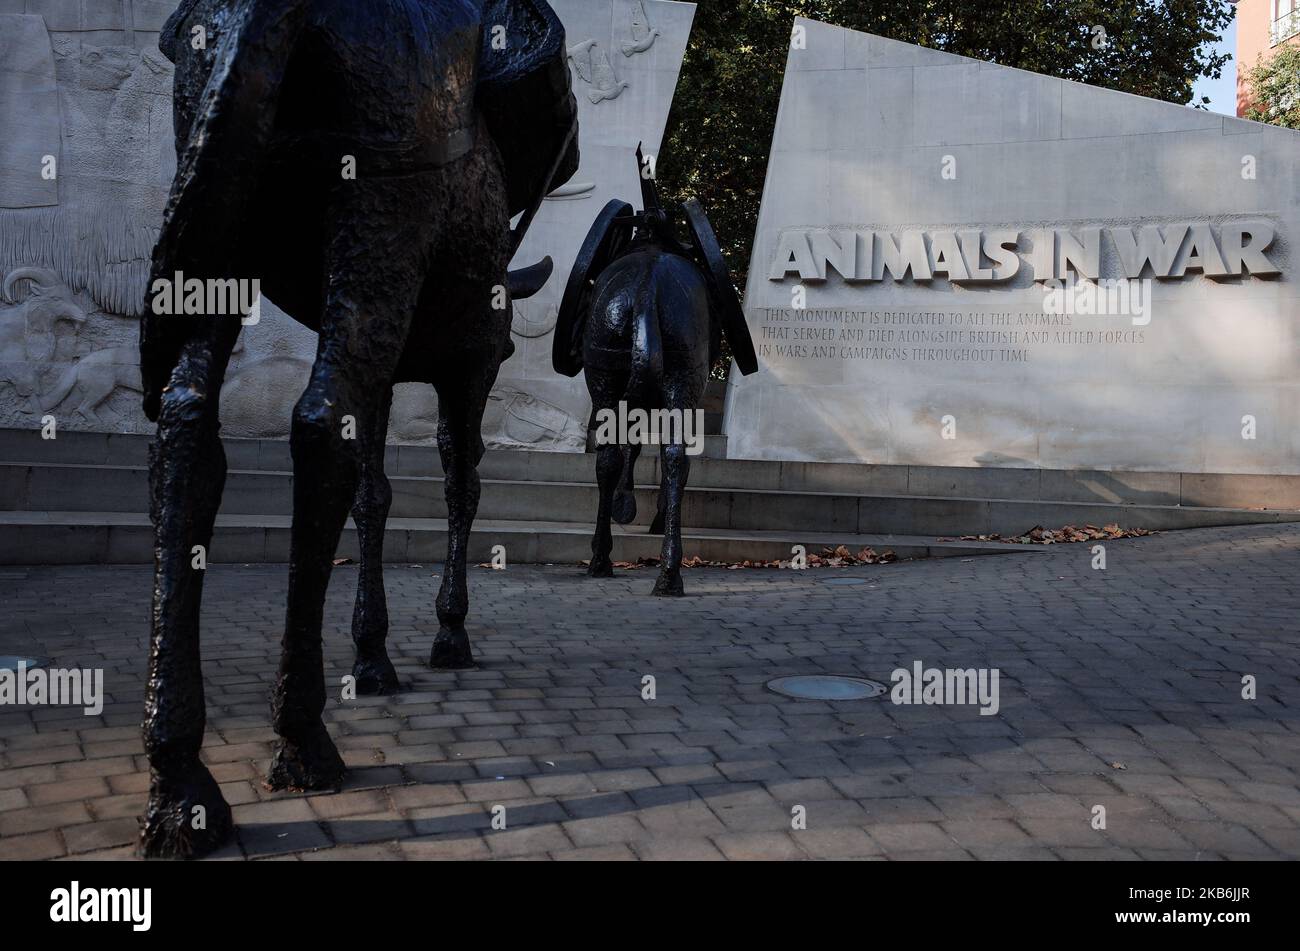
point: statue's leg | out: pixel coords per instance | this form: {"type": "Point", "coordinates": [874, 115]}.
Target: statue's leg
{"type": "Point", "coordinates": [609, 467]}
{"type": "Point", "coordinates": [657, 523]}
{"type": "Point", "coordinates": [615, 468]}
{"type": "Point", "coordinates": [373, 670]}
{"type": "Point", "coordinates": [186, 814]}
{"type": "Point", "coordinates": [375, 264]}
{"type": "Point", "coordinates": [677, 467]}
{"type": "Point", "coordinates": [325, 468]}
{"type": "Point", "coordinates": [460, 445]}
{"type": "Point", "coordinates": [624, 508]}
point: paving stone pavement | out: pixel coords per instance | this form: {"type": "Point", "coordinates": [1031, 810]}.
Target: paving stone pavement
{"type": "Point", "coordinates": [1118, 687]}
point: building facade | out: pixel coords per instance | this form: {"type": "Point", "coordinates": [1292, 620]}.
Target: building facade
{"type": "Point", "coordinates": [1262, 26]}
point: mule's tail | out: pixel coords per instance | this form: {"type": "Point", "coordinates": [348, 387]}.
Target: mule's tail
{"type": "Point", "coordinates": [218, 165]}
{"type": "Point", "coordinates": [644, 390]}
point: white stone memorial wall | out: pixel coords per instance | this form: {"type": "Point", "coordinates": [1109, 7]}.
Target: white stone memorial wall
{"type": "Point", "coordinates": [917, 206]}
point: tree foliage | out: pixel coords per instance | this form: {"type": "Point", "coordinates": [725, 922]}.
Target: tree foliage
{"type": "Point", "coordinates": [724, 112]}
{"type": "Point", "coordinates": [1275, 88]}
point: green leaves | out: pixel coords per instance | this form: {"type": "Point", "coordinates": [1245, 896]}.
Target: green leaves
{"type": "Point", "coordinates": [1275, 88]}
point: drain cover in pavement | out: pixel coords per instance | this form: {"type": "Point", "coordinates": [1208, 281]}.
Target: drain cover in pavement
{"type": "Point", "coordinates": [825, 687]}
{"type": "Point", "coordinates": [10, 662]}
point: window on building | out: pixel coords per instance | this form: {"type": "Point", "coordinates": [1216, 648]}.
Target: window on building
{"type": "Point", "coordinates": [1286, 20]}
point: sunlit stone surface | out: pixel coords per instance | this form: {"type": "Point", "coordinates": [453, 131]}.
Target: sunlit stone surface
{"type": "Point", "coordinates": [923, 200]}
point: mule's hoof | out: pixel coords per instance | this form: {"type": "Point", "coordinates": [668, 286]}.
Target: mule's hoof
{"type": "Point", "coordinates": [312, 763]}
{"type": "Point", "coordinates": [186, 816]}
{"type": "Point", "coordinates": [600, 568]}
{"type": "Point", "coordinates": [669, 585]}
{"type": "Point", "coordinates": [451, 651]}
{"type": "Point", "coordinates": [623, 507]}
{"type": "Point", "coordinates": [375, 677]}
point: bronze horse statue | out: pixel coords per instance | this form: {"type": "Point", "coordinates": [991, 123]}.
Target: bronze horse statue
{"type": "Point", "coordinates": [363, 161]}
{"type": "Point", "coordinates": [644, 315]}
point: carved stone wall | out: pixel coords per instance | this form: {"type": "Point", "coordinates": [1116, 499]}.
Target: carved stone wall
{"type": "Point", "coordinates": [980, 189]}
{"type": "Point", "coordinates": [86, 159]}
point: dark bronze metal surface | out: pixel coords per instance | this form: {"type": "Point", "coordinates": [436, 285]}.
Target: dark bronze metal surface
{"type": "Point", "coordinates": [643, 315]}
{"type": "Point", "coordinates": [400, 268]}
{"type": "Point", "coordinates": [606, 240]}
{"type": "Point", "coordinates": [725, 301]}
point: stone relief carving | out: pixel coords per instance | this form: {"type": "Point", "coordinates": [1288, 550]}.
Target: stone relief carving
{"type": "Point", "coordinates": [514, 418]}
{"type": "Point", "coordinates": [57, 354]}
{"type": "Point", "coordinates": [106, 67]}
{"type": "Point", "coordinates": [525, 419]}
{"type": "Point", "coordinates": [75, 260]}
{"type": "Point", "coordinates": [525, 326]}
{"type": "Point", "coordinates": [592, 64]}
{"type": "Point", "coordinates": [90, 382]}
{"type": "Point", "coordinates": [98, 249]}
{"type": "Point", "coordinates": [267, 375]}
{"type": "Point", "coordinates": [593, 67]}
{"type": "Point", "coordinates": [139, 123]}
{"type": "Point", "coordinates": [643, 34]}
{"type": "Point", "coordinates": [572, 192]}
{"type": "Point", "coordinates": [75, 247]}
{"type": "Point", "coordinates": [29, 323]}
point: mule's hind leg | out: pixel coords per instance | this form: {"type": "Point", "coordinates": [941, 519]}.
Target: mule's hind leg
{"type": "Point", "coordinates": [460, 445]}
{"type": "Point", "coordinates": [614, 463]}
{"type": "Point", "coordinates": [609, 466]}
{"type": "Point", "coordinates": [677, 467]}
{"type": "Point", "coordinates": [657, 523]}
{"type": "Point", "coordinates": [624, 508]}
{"type": "Point", "coordinates": [375, 264]}
{"type": "Point", "coordinates": [373, 670]}
{"type": "Point", "coordinates": [186, 814]}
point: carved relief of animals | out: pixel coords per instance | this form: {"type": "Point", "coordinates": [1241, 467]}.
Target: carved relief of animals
{"type": "Point", "coordinates": [643, 34]}
{"type": "Point", "coordinates": [92, 380]}
{"type": "Point", "coordinates": [591, 62]}
{"type": "Point", "coordinates": [29, 322]}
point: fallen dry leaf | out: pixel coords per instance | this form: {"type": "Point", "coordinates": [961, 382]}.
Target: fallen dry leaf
{"type": "Point", "coordinates": [840, 557]}
{"type": "Point", "coordinates": [1068, 535]}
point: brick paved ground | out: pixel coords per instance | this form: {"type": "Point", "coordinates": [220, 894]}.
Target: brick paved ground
{"type": "Point", "coordinates": [1138, 665]}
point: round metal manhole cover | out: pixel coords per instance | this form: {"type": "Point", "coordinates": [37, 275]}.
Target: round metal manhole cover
{"type": "Point", "coordinates": [10, 662]}
{"type": "Point", "coordinates": [825, 687]}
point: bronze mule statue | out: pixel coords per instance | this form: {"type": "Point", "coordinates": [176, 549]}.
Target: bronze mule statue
{"type": "Point", "coordinates": [362, 161]}
{"type": "Point", "coordinates": [644, 314]}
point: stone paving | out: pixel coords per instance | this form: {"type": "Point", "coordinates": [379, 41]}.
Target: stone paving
{"type": "Point", "coordinates": [1119, 687]}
